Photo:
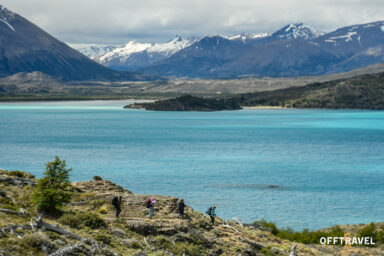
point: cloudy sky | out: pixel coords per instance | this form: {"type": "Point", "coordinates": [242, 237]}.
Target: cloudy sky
{"type": "Point", "coordinates": [117, 21]}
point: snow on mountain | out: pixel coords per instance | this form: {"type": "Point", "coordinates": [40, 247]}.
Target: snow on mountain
{"type": "Point", "coordinates": [135, 54]}
{"type": "Point", "coordinates": [357, 35]}
{"type": "Point", "coordinates": [171, 47]}
{"type": "Point", "coordinates": [347, 37]}
{"type": "Point", "coordinates": [245, 37]}
{"type": "Point", "coordinates": [6, 16]}
{"type": "Point", "coordinates": [297, 31]}
{"type": "Point", "coordinates": [93, 51]}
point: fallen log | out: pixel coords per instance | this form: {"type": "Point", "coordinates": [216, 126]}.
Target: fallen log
{"type": "Point", "coordinates": [12, 229]}
{"type": "Point", "coordinates": [19, 213]}
{"type": "Point", "coordinates": [226, 225]}
{"type": "Point", "coordinates": [40, 224]}
{"type": "Point", "coordinates": [93, 248]}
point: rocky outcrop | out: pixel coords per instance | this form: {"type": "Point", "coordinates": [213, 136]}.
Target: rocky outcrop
{"type": "Point", "coordinates": [189, 103]}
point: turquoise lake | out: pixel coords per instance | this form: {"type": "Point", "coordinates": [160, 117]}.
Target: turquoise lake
{"type": "Point", "coordinates": [328, 164]}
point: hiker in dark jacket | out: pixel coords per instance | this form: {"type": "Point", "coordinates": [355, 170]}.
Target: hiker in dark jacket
{"type": "Point", "coordinates": [212, 213]}
{"type": "Point", "coordinates": [116, 202]}
{"type": "Point", "coordinates": [180, 207]}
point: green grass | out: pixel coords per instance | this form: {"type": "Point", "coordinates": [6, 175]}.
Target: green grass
{"type": "Point", "coordinates": [306, 236]}
{"type": "Point", "coordinates": [80, 220]}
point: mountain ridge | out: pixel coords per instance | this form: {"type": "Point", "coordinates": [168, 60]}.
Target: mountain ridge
{"type": "Point", "coordinates": [294, 50]}
{"type": "Point", "coordinates": [24, 47]}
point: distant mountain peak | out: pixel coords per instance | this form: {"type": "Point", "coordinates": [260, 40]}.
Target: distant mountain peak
{"type": "Point", "coordinates": [297, 31]}
{"type": "Point", "coordinates": [245, 36]}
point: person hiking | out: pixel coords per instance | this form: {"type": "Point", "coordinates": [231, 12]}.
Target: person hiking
{"type": "Point", "coordinates": [212, 213]}
{"type": "Point", "coordinates": [180, 207]}
{"type": "Point", "coordinates": [151, 205]}
{"type": "Point", "coordinates": [116, 202]}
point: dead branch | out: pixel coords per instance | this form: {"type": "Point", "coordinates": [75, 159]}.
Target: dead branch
{"type": "Point", "coordinates": [226, 225]}
{"type": "Point", "coordinates": [19, 213]}
{"type": "Point", "coordinates": [40, 224]}
{"type": "Point", "coordinates": [236, 219]}
{"type": "Point", "coordinates": [12, 229]}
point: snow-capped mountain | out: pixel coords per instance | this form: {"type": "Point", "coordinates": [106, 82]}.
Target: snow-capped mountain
{"type": "Point", "coordinates": [24, 47]}
{"type": "Point", "coordinates": [294, 50]}
{"type": "Point", "coordinates": [296, 31]}
{"type": "Point", "coordinates": [93, 51]}
{"type": "Point", "coordinates": [356, 46]}
{"type": "Point", "coordinates": [244, 37]}
{"type": "Point", "coordinates": [135, 54]}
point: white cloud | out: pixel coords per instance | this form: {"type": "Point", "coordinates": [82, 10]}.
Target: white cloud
{"type": "Point", "coordinates": [116, 21]}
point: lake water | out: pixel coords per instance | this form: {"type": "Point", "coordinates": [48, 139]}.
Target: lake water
{"type": "Point", "coordinates": [329, 164]}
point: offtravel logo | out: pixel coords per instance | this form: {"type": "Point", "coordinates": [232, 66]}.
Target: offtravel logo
{"type": "Point", "coordinates": [346, 240]}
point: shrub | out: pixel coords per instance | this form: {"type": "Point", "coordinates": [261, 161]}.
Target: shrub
{"type": "Point", "coordinates": [268, 225]}
{"type": "Point", "coordinates": [306, 236]}
{"type": "Point", "coordinates": [82, 219]}
{"type": "Point", "coordinates": [103, 209]}
{"type": "Point", "coordinates": [37, 241]}
{"type": "Point", "coordinates": [7, 203]}
{"type": "Point", "coordinates": [267, 252]}
{"type": "Point", "coordinates": [183, 248]}
{"type": "Point", "coordinates": [96, 204]}
{"type": "Point", "coordinates": [97, 178]}
{"type": "Point", "coordinates": [19, 174]}
{"type": "Point", "coordinates": [53, 190]}
{"type": "Point", "coordinates": [106, 239]}
{"type": "Point", "coordinates": [368, 231]}
{"type": "Point", "coordinates": [380, 236]}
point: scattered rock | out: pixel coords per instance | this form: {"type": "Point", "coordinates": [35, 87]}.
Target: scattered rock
{"type": "Point", "coordinates": [276, 250]}
{"type": "Point", "coordinates": [256, 245]}
{"type": "Point", "coordinates": [60, 242]}
{"type": "Point", "coordinates": [180, 237]}
{"type": "Point", "coordinates": [143, 228]}
{"type": "Point", "coordinates": [2, 193]}
{"type": "Point", "coordinates": [118, 232]}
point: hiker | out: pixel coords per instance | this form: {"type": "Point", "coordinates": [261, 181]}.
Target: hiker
{"type": "Point", "coordinates": [180, 207]}
{"type": "Point", "coordinates": [116, 202]}
{"type": "Point", "coordinates": [212, 213]}
{"type": "Point", "coordinates": [151, 205]}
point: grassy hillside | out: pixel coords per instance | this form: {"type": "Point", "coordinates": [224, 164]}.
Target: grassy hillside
{"type": "Point", "coordinates": [92, 228]}
{"type": "Point", "coordinates": [361, 92]}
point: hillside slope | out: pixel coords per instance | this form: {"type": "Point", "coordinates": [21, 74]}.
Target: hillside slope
{"type": "Point", "coordinates": [360, 92]}
{"type": "Point", "coordinates": [24, 47]}
{"type": "Point", "coordinates": [92, 229]}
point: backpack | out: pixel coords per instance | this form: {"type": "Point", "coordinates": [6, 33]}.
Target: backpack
{"type": "Point", "coordinates": [115, 201]}
{"type": "Point", "coordinates": [209, 211]}
{"type": "Point", "coordinates": [148, 203]}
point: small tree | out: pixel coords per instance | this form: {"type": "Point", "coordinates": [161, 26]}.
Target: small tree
{"type": "Point", "coordinates": [53, 190]}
